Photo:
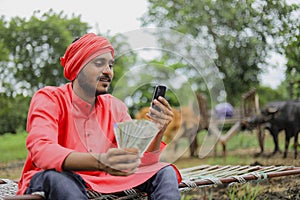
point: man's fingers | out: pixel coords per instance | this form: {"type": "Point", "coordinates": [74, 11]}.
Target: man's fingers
{"type": "Point", "coordinates": [126, 167]}
{"type": "Point", "coordinates": [124, 151]}
{"type": "Point", "coordinates": [120, 173]}
{"type": "Point", "coordinates": [164, 101]}
{"type": "Point", "coordinates": [122, 169]}
{"type": "Point", "coordinates": [163, 105]}
{"type": "Point", "coordinates": [114, 160]}
{"type": "Point", "coordinates": [132, 150]}
{"type": "Point", "coordinates": [164, 116]}
{"type": "Point", "coordinates": [128, 155]}
{"type": "Point", "coordinates": [121, 162]}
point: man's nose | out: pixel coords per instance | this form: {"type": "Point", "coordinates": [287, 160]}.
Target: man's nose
{"type": "Point", "coordinates": [107, 69]}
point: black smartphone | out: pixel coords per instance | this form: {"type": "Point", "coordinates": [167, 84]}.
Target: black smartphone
{"type": "Point", "coordinates": [160, 90]}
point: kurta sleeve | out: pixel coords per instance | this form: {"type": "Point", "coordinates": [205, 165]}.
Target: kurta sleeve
{"type": "Point", "coordinates": [152, 157]}
{"type": "Point", "coordinates": [42, 126]}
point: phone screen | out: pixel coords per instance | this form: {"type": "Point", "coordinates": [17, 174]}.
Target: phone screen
{"type": "Point", "coordinates": [159, 90]}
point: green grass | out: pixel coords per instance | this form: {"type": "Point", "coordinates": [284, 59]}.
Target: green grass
{"type": "Point", "coordinates": [12, 147]}
{"type": "Point", "coordinates": [243, 192]}
{"type": "Point", "coordinates": [240, 150]}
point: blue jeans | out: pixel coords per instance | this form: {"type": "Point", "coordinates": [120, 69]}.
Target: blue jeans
{"type": "Point", "coordinates": [70, 186]}
{"type": "Point", "coordinates": [163, 185]}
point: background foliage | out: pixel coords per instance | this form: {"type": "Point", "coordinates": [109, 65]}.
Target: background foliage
{"type": "Point", "coordinates": [239, 36]}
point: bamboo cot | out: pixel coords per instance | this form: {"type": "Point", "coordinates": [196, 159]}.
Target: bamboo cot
{"type": "Point", "coordinates": [193, 179]}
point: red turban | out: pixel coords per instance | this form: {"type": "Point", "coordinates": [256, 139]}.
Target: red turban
{"type": "Point", "coordinates": [79, 53]}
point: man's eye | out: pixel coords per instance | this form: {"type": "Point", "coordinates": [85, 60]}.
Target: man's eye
{"type": "Point", "coordinates": [99, 64]}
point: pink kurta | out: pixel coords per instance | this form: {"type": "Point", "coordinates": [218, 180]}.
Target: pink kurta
{"type": "Point", "coordinates": [59, 122]}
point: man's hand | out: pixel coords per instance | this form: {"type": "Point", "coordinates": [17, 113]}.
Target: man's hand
{"type": "Point", "coordinates": [163, 117]}
{"type": "Point", "coordinates": [119, 162]}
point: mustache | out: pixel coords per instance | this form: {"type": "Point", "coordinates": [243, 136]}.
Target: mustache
{"type": "Point", "coordinates": [104, 78]}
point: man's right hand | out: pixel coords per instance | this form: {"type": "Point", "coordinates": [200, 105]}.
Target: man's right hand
{"type": "Point", "coordinates": [120, 162]}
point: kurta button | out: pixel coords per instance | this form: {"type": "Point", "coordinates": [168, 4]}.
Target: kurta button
{"type": "Point", "coordinates": [90, 150]}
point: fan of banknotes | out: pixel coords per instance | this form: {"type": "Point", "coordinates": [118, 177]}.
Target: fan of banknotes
{"type": "Point", "coordinates": [135, 134]}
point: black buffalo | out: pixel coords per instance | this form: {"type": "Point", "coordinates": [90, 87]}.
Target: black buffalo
{"type": "Point", "coordinates": [278, 116]}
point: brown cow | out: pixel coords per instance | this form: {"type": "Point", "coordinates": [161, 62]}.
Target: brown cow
{"type": "Point", "coordinates": [173, 127]}
{"type": "Point", "coordinates": [189, 128]}
{"type": "Point", "coordinates": [184, 124]}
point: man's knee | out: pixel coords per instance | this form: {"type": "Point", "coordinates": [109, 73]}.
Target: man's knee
{"type": "Point", "coordinates": [52, 176]}
{"type": "Point", "coordinates": [63, 179]}
{"type": "Point", "coordinates": [167, 174]}
{"type": "Point", "coordinates": [166, 184]}
{"type": "Point", "coordinates": [55, 184]}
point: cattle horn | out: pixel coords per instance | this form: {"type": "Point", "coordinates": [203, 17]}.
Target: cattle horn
{"type": "Point", "coordinates": [272, 110]}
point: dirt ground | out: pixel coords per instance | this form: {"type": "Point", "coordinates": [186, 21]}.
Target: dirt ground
{"type": "Point", "coordinates": [286, 187]}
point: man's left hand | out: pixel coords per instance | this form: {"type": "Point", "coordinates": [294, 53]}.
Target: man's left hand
{"type": "Point", "coordinates": [163, 117]}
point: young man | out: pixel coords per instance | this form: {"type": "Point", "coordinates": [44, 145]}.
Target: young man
{"type": "Point", "coordinates": [71, 144]}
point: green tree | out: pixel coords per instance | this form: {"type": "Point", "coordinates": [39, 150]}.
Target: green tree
{"type": "Point", "coordinates": [238, 34]}
{"type": "Point", "coordinates": [273, 95]}
{"type": "Point", "coordinates": [35, 46]}
{"type": "Point", "coordinates": [13, 113]}
{"type": "Point", "coordinates": [4, 55]}
{"type": "Point", "coordinates": [29, 59]}
{"type": "Point", "coordinates": [292, 52]}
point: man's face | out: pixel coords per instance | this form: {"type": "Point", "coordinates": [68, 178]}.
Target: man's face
{"type": "Point", "coordinates": [97, 75]}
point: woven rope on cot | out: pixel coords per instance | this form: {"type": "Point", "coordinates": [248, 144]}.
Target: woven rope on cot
{"type": "Point", "coordinates": [129, 194]}
{"type": "Point", "coordinates": [206, 175]}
